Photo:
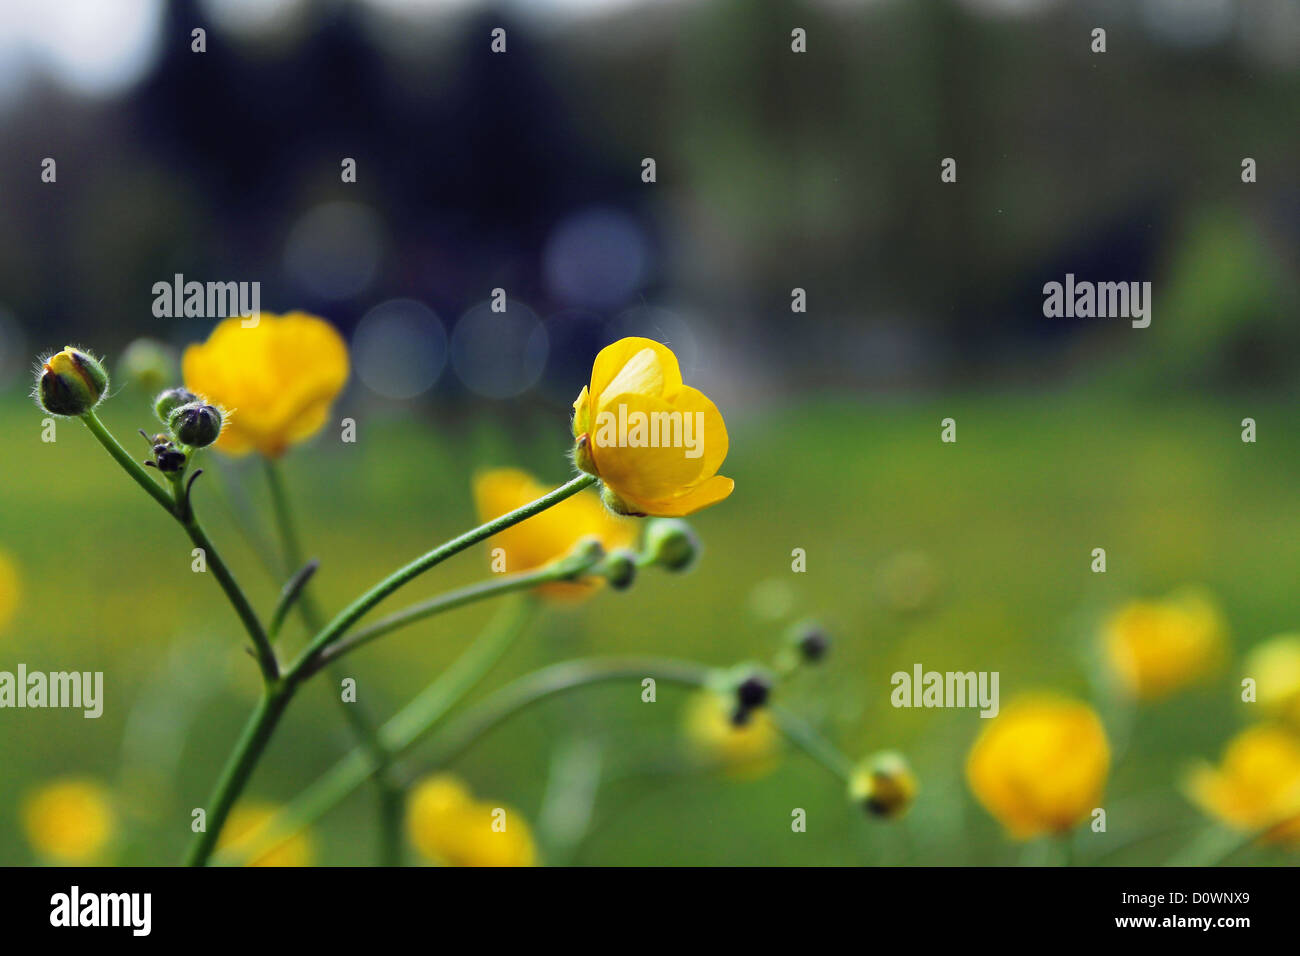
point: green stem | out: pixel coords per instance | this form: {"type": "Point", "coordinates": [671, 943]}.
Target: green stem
{"type": "Point", "coordinates": [563, 570]}
{"type": "Point", "coordinates": [239, 767]}
{"type": "Point", "coordinates": [358, 608]}
{"type": "Point", "coordinates": [129, 464]}
{"type": "Point", "coordinates": [177, 505]}
{"type": "Point", "coordinates": [389, 792]}
{"type": "Point", "coordinates": [812, 743]}
{"type": "Point", "coordinates": [407, 727]}
{"type": "Point", "coordinates": [266, 659]}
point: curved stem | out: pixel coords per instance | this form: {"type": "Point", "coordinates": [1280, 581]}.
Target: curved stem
{"type": "Point", "coordinates": [239, 767]}
{"type": "Point", "coordinates": [358, 608]}
{"type": "Point", "coordinates": [562, 570]}
{"type": "Point", "coordinates": [406, 728]}
{"type": "Point", "coordinates": [129, 464]}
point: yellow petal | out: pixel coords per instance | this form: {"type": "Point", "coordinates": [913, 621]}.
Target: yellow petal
{"type": "Point", "coordinates": [708, 492]}
{"type": "Point", "coordinates": [647, 472]}
{"type": "Point", "coordinates": [637, 365]}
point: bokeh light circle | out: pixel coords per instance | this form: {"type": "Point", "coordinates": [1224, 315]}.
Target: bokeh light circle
{"type": "Point", "coordinates": [499, 354]}
{"type": "Point", "coordinates": [597, 257]}
{"type": "Point", "coordinates": [333, 250]}
{"type": "Point", "coordinates": [399, 349]}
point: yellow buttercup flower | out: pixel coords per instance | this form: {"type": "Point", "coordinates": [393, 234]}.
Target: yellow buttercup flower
{"type": "Point", "coordinates": [1275, 667]}
{"type": "Point", "coordinates": [551, 534]}
{"type": "Point", "coordinates": [1256, 786]}
{"type": "Point", "coordinates": [745, 751]}
{"type": "Point", "coordinates": [9, 589]}
{"type": "Point", "coordinates": [69, 821]}
{"type": "Point", "coordinates": [1040, 766]}
{"type": "Point", "coordinates": [448, 826]}
{"type": "Point", "coordinates": [655, 443]}
{"type": "Point", "coordinates": [244, 836]}
{"type": "Point", "coordinates": [1157, 647]}
{"type": "Point", "coordinates": [277, 378]}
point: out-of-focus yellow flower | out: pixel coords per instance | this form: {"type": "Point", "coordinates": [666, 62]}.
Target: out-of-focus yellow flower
{"type": "Point", "coordinates": [655, 443]}
{"type": "Point", "coordinates": [9, 589]}
{"type": "Point", "coordinates": [551, 534]}
{"type": "Point", "coordinates": [448, 826]}
{"type": "Point", "coordinates": [744, 751]}
{"type": "Point", "coordinates": [244, 836]}
{"type": "Point", "coordinates": [1040, 766]}
{"type": "Point", "coordinates": [1157, 647]}
{"type": "Point", "coordinates": [277, 378]}
{"type": "Point", "coordinates": [1275, 666]}
{"type": "Point", "coordinates": [1257, 785]}
{"type": "Point", "coordinates": [69, 821]}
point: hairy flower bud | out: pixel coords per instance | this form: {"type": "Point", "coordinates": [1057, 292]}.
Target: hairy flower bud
{"type": "Point", "coordinates": [671, 543]}
{"type": "Point", "coordinates": [196, 424]}
{"type": "Point", "coordinates": [170, 400]}
{"type": "Point", "coordinates": [70, 383]}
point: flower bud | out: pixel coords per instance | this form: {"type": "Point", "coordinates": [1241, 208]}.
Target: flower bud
{"type": "Point", "coordinates": [619, 569]}
{"type": "Point", "coordinates": [70, 383]}
{"type": "Point", "coordinates": [167, 458]}
{"type": "Point", "coordinates": [589, 548]}
{"type": "Point", "coordinates": [671, 543]}
{"type": "Point", "coordinates": [170, 400]}
{"type": "Point", "coordinates": [196, 424]}
{"type": "Point", "coordinates": [883, 785]}
{"type": "Point", "coordinates": [813, 643]}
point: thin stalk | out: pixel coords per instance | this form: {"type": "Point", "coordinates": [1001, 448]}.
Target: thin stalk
{"type": "Point", "coordinates": [177, 505]}
{"type": "Point", "coordinates": [562, 570]}
{"type": "Point", "coordinates": [389, 794]}
{"type": "Point", "coordinates": [406, 728]}
{"type": "Point", "coordinates": [358, 608]}
{"type": "Point", "coordinates": [239, 767]}
{"type": "Point", "coordinates": [129, 464]}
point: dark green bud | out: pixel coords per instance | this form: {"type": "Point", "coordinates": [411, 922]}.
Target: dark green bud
{"type": "Point", "coordinates": [70, 382]}
{"type": "Point", "coordinates": [196, 424]}
{"type": "Point", "coordinates": [671, 543]}
{"type": "Point", "coordinates": [170, 400]}
{"type": "Point", "coordinates": [619, 568]}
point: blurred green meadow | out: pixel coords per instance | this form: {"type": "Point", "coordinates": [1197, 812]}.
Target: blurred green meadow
{"type": "Point", "coordinates": [1007, 518]}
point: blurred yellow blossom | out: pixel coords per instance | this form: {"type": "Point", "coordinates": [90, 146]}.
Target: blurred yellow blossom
{"type": "Point", "coordinates": [1256, 786]}
{"type": "Point", "coordinates": [243, 835]}
{"type": "Point", "coordinates": [1040, 766]}
{"type": "Point", "coordinates": [69, 820]}
{"type": "Point", "coordinates": [9, 589]}
{"type": "Point", "coordinates": [448, 826]}
{"type": "Point", "coordinates": [277, 379]}
{"type": "Point", "coordinates": [1275, 667]}
{"type": "Point", "coordinates": [1157, 647]}
{"type": "Point", "coordinates": [745, 751]}
{"type": "Point", "coordinates": [655, 443]}
{"type": "Point", "coordinates": [551, 534]}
